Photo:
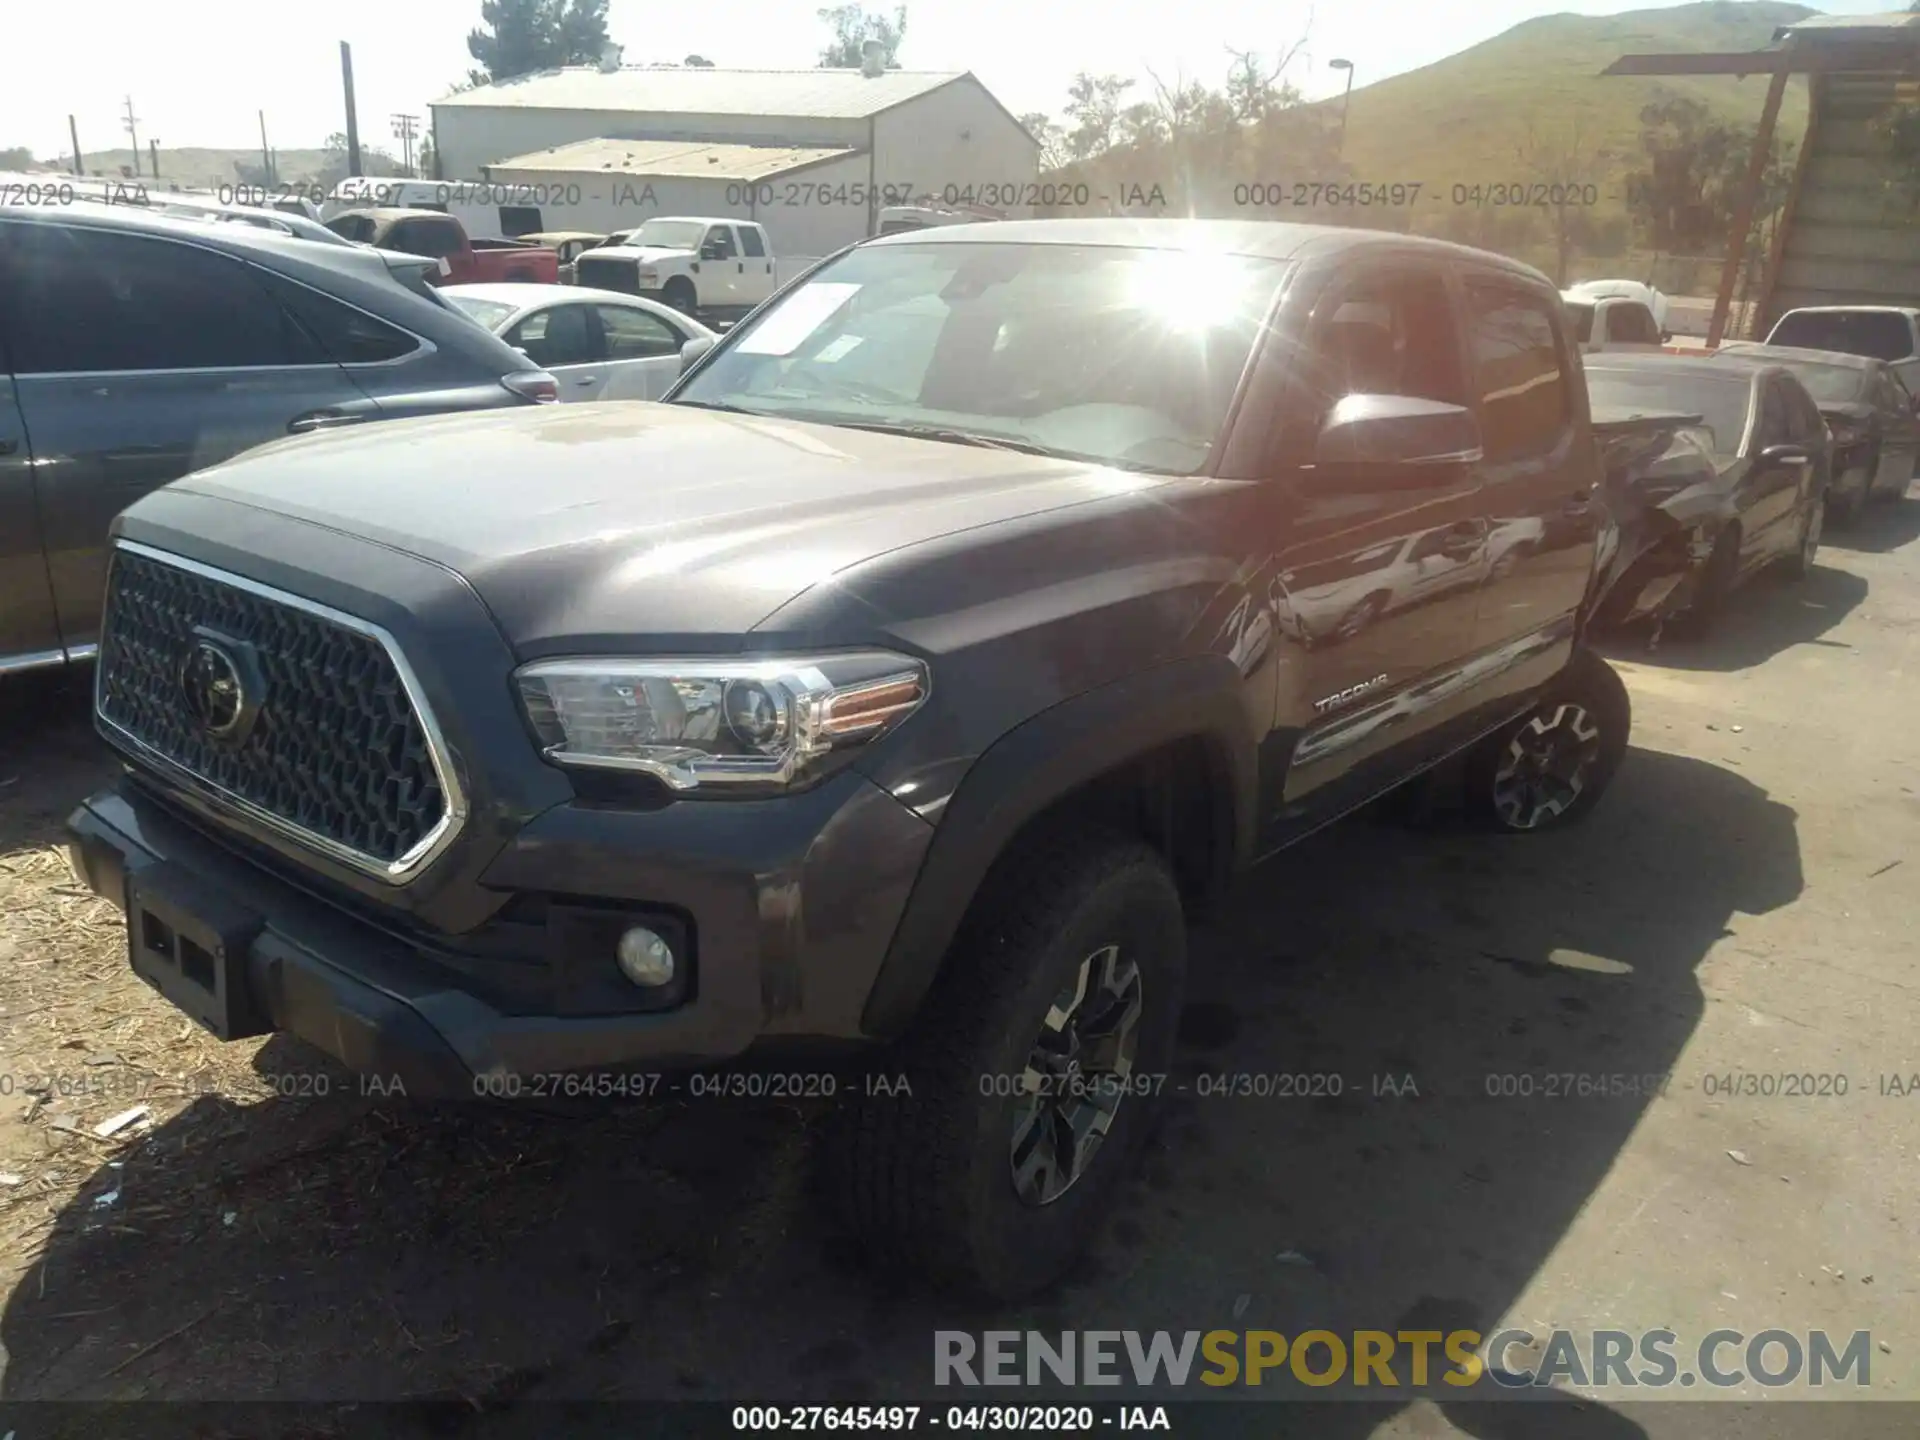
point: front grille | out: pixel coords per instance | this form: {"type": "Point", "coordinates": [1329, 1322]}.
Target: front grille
{"type": "Point", "coordinates": [336, 753]}
{"type": "Point", "coordinates": [600, 272]}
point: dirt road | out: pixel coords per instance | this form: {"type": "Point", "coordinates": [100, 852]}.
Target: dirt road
{"type": "Point", "coordinates": [1743, 904]}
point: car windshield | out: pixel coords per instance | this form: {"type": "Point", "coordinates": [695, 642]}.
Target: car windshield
{"type": "Point", "coordinates": [669, 234]}
{"type": "Point", "coordinates": [489, 313]}
{"type": "Point", "coordinates": [1123, 356]}
{"type": "Point", "coordinates": [1880, 334]}
{"type": "Point", "coordinates": [1580, 317]}
{"type": "Point", "coordinates": [1722, 400]}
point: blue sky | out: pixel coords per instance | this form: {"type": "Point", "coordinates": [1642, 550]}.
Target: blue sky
{"type": "Point", "coordinates": [198, 70]}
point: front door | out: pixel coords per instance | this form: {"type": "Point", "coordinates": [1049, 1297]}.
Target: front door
{"type": "Point", "coordinates": [720, 275]}
{"type": "Point", "coordinates": [1378, 579]}
{"type": "Point", "coordinates": [565, 341]}
{"type": "Point", "coordinates": [29, 628]}
{"type": "Point", "coordinates": [137, 360]}
{"type": "Point", "coordinates": [643, 352]}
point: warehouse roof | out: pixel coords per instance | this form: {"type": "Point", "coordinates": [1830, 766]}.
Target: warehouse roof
{"type": "Point", "coordinates": [700, 90]}
{"type": "Point", "coordinates": [672, 159]}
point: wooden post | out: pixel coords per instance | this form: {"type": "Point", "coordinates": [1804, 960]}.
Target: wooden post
{"type": "Point", "coordinates": [1770, 278]}
{"type": "Point", "coordinates": [1749, 197]}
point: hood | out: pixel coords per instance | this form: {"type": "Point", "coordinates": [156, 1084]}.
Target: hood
{"type": "Point", "coordinates": [593, 525]}
{"type": "Point", "coordinates": [645, 254]}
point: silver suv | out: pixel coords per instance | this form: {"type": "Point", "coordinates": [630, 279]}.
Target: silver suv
{"type": "Point", "coordinates": [136, 347]}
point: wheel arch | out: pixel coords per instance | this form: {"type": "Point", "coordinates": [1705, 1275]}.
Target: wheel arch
{"type": "Point", "coordinates": [1166, 754]}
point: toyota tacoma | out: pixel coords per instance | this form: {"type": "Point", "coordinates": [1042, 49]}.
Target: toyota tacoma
{"type": "Point", "coordinates": [898, 688]}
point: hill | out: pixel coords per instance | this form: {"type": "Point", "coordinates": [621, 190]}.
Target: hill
{"type": "Point", "coordinates": [1463, 119]}
{"type": "Point", "coordinates": [207, 167]}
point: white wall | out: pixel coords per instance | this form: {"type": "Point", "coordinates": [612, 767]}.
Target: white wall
{"type": "Point", "coordinates": [957, 136]}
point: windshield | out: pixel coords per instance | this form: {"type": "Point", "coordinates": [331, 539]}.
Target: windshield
{"type": "Point", "coordinates": [1580, 317]}
{"type": "Point", "coordinates": [1721, 399]}
{"type": "Point", "coordinates": [489, 313]}
{"type": "Point", "coordinates": [1124, 356]}
{"type": "Point", "coordinates": [1881, 334]}
{"type": "Point", "coordinates": [669, 234]}
{"type": "Point", "coordinates": [1829, 383]}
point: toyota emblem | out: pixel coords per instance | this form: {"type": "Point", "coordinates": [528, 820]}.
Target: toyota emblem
{"type": "Point", "coordinates": [216, 696]}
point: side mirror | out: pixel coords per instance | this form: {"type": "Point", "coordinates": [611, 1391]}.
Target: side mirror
{"type": "Point", "coordinates": [691, 352]}
{"type": "Point", "coordinates": [1394, 442]}
{"type": "Point", "coordinates": [711, 251]}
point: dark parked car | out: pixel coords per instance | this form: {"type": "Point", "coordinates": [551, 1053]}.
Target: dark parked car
{"type": "Point", "coordinates": [1868, 411]}
{"type": "Point", "coordinates": [135, 348]}
{"type": "Point", "coordinates": [899, 683]}
{"type": "Point", "coordinates": [1881, 332]}
{"type": "Point", "coordinates": [1767, 501]}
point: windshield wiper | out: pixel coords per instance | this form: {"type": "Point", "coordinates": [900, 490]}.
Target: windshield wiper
{"type": "Point", "coordinates": [950, 436]}
{"type": "Point", "coordinates": [721, 405]}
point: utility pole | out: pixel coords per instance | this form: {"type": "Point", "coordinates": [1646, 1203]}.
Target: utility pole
{"type": "Point", "coordinates": [153, 151]}
{"type": "Point", "coordinates": [266, 155]}
{"type": "Point", "coordinates": [1346, 98]}
{"type": "Point", "coordinates": [73, 132]}
{"type": "Point", "coordinates": [133, 136]}
{"type": "Point", "coordinates": [405, 128]}
{"type": "Point", "coordinates": [353, 121]}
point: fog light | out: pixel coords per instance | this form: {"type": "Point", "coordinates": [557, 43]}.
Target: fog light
{"type": "Point", "coordinates": [645, 958]}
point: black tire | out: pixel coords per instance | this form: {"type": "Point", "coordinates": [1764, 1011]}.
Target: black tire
{"type": "Point", "coordinates": [1799, 564]}
{"type": "Point", "coordinates": [680, 295]}
{"type": "Point", "coordinates": [1584, 718]}
{"type": "Point", "coordinates": [1712, 589]}
{"type": "Point", "coordinates": [925, 1180]}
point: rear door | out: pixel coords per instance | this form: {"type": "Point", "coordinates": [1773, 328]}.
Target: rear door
{"type": "Point", "coordinates": [29, 628]}
{"type": "Point", "coordinates": [756, 265]}
{"type": "Point", "coordinates": [139, 358]}
{"type": "Point", "coordinates": [565, 340]}
{"type": "Point", "coordinates": [1769, 492]}
{"type": "Point", "coordinates": [1541, 477]}
{"type": "Point", "coordinates": [1899, 431]}
{"type": "Point", "coordinates": [643, 352]}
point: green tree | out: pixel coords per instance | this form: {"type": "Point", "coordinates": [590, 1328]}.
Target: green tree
{"type": "Point", "coordinates": [520, 37]}
{"type": "Point", "coordinates": [1684, 193]}
{"type": "Point", "coordinates": [1052, 139]}
{"type": "Point", "coordinates": [852, 27]}
{"type": "Point", "coordinates": [16, 157]}
{"type": "Point", "coordinates": [697, 62]}
{"type": "Point", "coordinates": [1093, 113]}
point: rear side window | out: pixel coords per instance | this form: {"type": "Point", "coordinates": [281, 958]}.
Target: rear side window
{"type": "Point", "coordinates": [1632, 324]}
{"type": "Point", "coordinates": [357, 228]}
{"type": "Point", "coordinates": [750, 242]}
{"type": "Point", "coordinates": [436, 239]}
{"type": "Point", "coordinates": [1524, 404]}
{"type": "Point", "coordinates": [82, 300]}
{"type": "Point", "coordinates": [518, 220]}
{"type": "Point", "coordinates": [1881, 334]}
{"type": "Point", "coordinates": [347, 335]}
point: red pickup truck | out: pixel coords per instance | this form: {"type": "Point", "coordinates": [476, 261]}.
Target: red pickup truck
{"type": "Point", "coordinates": [440, 236]}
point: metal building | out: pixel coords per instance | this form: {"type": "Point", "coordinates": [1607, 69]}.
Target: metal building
{"type": "Point", "coordinates": [810, 154]}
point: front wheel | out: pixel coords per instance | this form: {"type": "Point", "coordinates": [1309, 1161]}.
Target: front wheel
{"type": "Point", "coordinates": [1800, 562]}
{"type": "Point", "coordinates": [1030, 1072]}
{"type": "Point", "coordinates": [1551, 766]}
{"type": "Point", "coordinates": [679, 293]}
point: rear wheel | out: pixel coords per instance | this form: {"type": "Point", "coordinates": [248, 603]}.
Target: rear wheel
{"type": "Point", "coordinates": [1550, 767]}
{"type": "Point", "coordinates": [1030, 1072]}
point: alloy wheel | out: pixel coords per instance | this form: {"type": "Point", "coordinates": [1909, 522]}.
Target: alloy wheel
{"type": "Point", "coordinates": [1545, 766]}
{"type": "Point", "coordinates": [1077, 1073]}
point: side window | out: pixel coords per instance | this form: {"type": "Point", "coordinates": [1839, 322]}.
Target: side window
{"type": "Point", "coordinates": [751, 243]}
{"type": "Point", "coordinates": [720, 241]}
{"type": "Point", "coordinates": [561, 335]}
{"type": "Point", "coordinates": [1525, 408]}
{"type": "Point", "coordinates": [1805, 424]}
{"type": "Point", "coordinates": [97, 300]}
{"type": "Point", "coordinates": [518, 220]}
{"type": "Point", "coordinates": [1390, 336]}
{"type": "Point", "coordinates": [1773, 427]}
{"type": "Point", "coordinates": [635, 335]}
{"type": "Point", "coordinates": [347, 335]}
{"type": "Point", "coordinates": [435, 239]}
{"type": "Point", "coordinates": [357, 228]}
{"type": "Point", "coordinates": [1632, 324]}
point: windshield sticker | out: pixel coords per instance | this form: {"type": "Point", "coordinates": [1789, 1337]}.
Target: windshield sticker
{"type": "Point", "coordinates": [838, 348]}
{"type": "Point", "coordinates": [810, 308]}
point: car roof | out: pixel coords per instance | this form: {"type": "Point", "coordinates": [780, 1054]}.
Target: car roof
{"type": "Point", "coordinates": [563, 235]}
{"type": "Point", "coordinates": [1262, 239]}
{"type": "Point", "coordinates": [396, 212]}
{"type": "Point", "coordinates": [1787, 354]}
{"type": "Point", "coordinates": [1851, 309]}
{"type": "Point", "coordinates": [1715, 364]}
{"type": "Point", "coordinates": [522, 293]}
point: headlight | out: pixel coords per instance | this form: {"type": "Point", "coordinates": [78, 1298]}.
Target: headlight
{"type": "Point", "coordinates": [647, 279]}
{"type": "Point", "coordinates": [718, 723]}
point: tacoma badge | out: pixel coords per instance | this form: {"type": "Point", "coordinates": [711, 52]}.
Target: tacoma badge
{"type": "Point", "coordinates": [1352, 692]}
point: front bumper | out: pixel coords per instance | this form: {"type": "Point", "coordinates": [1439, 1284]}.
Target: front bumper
{"type": "Point", "coordinates": [788, 905]}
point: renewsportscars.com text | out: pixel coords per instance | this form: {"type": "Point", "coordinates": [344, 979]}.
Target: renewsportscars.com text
{"type": "Point", "coordinates": [1386, 1359]}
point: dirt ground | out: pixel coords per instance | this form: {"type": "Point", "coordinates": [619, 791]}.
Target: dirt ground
{"type": "Point", "coordinates": [1744, 903]}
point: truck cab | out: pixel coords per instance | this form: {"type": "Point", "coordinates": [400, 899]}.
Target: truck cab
{"type": "Point", "coordinates": [437, 235]}
{"type": "Point", "coordinates": [700, 265]}
{"type": "Point", "coordinates": [1612, 323]}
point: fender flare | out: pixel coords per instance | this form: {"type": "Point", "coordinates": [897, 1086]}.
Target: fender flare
{"type": "Point", "coordinates": [1035, 765]}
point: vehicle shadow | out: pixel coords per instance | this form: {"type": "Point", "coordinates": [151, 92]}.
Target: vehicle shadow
{"type": "Point", "coordinates": [49, 755]}
{"type": "Point", "coordinates": [353, 1246]}
{"type": "Point", "coordinates": [1880, 528]}
{"type": "Point", "coordinates": [1764, 617]}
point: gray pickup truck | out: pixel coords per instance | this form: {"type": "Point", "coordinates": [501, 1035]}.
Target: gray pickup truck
{"type": "Point", "coordinates": [137, 347]}
{"type": "Point", "coordinates": [890, 695]}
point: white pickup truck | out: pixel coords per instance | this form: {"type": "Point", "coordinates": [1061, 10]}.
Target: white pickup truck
{"type": "Point", "coordinates": [1611, 324]}
{"type": "Point", "coordinates": [699, 265]}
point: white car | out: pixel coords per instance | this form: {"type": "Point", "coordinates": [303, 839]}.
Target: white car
{"type": "Point", "coordinates": [600, 345]}
{"type": "Point", "coordinates": [1591, 290]}
{"type": "Point", "coordinates": [1611, 323]}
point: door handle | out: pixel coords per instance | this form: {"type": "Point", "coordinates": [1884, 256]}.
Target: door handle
{"type": "Point", "coordinates": [320, 420]}
{"type": "Point", "coordinates": [588, 380]}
